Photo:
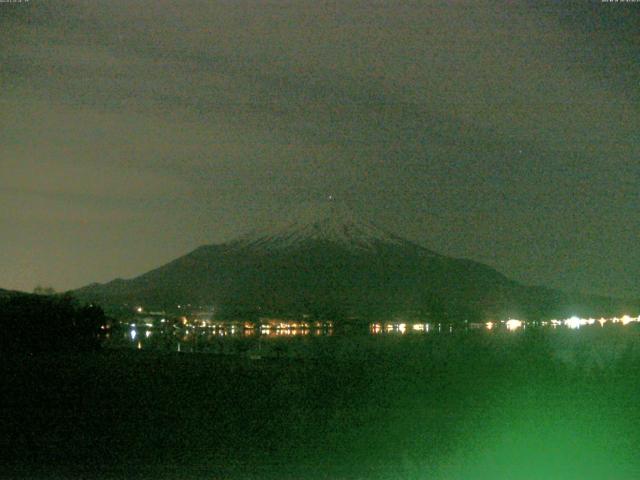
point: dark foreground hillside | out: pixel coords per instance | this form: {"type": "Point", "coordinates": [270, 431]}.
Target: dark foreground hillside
{"type": "Point", "coordinates": [534, 405]}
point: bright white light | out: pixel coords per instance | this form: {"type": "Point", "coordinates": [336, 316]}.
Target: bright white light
{"type": "Point", "coordinates": [139, 309]}
{"type": "Point", "coordinates": [402, 327]}
{"type": "Point", "coordinates": [489, 325]}
{"type": "Point", "coordinates": [574, 322]}
{"type": "Point", "coordinates": [626, 319]}
{"type": "Point", "coordinates": [147, 333]}
{"type": "Point", "coordinates": [133, 334]}
{"type": "Point", "coordinates": [513, 324]}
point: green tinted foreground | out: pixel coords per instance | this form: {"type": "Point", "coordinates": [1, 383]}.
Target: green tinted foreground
{"type": "Point", "coordinates": [535, 405]}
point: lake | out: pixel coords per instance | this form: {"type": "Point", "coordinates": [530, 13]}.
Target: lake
{"type": "Point", "coordinates": [532, 403]}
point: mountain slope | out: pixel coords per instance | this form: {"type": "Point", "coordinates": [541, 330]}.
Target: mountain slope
{"type": "Point", "coordinates": [333, 264]}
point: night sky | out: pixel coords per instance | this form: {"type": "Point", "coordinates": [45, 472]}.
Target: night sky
{"type": "Point", "coordinates": [133, 131]}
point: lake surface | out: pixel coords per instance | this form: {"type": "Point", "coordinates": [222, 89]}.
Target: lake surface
{"type": "Point", "coordinates": [523, 404]}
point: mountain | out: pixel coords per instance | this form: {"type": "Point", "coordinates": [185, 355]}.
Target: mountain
{"type": "Point", "coordinates": [330, 263]}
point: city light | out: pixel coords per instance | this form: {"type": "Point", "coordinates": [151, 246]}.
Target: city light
{"type": "Point", "coordinates": [513, 324]}
{"type": "Point", "coordinates": [295, 328]}
{"type": "Point", "coordinates": [626, 319]}
{"type": "Point", "coordinates": [574, 322]}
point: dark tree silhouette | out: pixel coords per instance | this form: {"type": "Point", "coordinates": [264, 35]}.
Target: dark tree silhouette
{"type": "Point", "coordinates": [40, 290]}
{"type": "Point", "coordinates": [43, 323]}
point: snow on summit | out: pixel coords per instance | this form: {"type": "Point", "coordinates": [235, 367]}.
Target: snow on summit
{"type": "Point", "coordinates": [328, 222]}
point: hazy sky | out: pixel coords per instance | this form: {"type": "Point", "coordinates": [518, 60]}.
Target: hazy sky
{"type": "Point", "coordinates": [134, 131]}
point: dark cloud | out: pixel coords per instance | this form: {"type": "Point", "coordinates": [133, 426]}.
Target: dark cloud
{"type": "Point", "coordinates": [136, 131]}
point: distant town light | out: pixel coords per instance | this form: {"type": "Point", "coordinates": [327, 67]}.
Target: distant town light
{"type": "Point", "coordinates": [626, 319]}
{"type": "Point", "coordinates": [513, 324]}
{"type": "Point", "coordinates": [574, 322]}
{"type": "Point", "coordinates": [139, 309]}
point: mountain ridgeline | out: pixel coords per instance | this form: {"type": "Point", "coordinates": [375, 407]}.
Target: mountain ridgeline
{"type": "Point", "coordinates": [335, 266]}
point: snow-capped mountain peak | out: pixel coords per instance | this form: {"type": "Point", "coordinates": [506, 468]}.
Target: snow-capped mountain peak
{"type": "Point", "coordinates": [329, 222]}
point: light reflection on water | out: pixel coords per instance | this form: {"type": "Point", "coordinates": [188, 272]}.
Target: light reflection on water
{"type": "Point", "coordinates": [227, 339]}
{"type": "Point", "coordinates": [251, 339]}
